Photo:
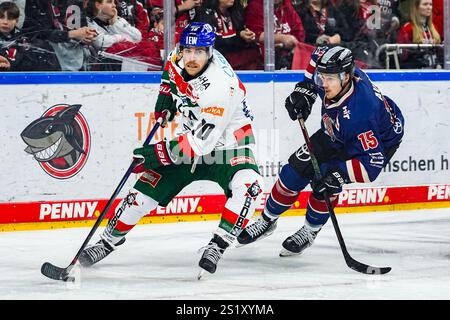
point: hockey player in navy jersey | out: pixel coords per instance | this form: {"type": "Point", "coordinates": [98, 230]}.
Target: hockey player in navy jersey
{"type": "Point", "coordinates": [360, 131]}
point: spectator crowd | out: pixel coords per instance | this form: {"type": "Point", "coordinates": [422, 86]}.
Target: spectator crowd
{"type": "Point", "coordinates": [99, 35]}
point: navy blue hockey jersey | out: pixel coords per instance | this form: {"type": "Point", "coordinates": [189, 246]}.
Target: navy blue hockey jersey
{"type": "Point", "coordinates": [363, 122]}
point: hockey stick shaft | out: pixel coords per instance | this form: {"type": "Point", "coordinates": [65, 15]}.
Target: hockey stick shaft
{"type": "Point", "coordinates": [351, 263]}
{"type": "Point", "coordinates": [65, 272]}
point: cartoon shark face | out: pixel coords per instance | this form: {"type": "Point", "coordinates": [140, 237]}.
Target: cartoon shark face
{"type": "Point", "coordinates": [54, 136]}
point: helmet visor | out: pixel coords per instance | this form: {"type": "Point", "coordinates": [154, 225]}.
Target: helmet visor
{"type": "Point", "coordinates": [322, 79]}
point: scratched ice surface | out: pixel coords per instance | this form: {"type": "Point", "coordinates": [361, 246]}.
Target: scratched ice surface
{"type": "Point", "coordinates": [159, 261]}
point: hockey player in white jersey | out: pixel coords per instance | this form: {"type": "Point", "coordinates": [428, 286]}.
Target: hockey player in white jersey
{"type": "Point", "coordinates": [215, 143]}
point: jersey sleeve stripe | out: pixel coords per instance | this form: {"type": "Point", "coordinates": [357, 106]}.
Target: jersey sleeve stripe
{"type": "Point", "coordinates": [310, 69]}
{"type": "Point", "coordinates": [356, 171]}
{"type": "Point", "coordinates": [244, 135]}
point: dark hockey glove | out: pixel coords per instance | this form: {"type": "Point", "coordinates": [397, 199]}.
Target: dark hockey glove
{"type": "Point", "coordinates": [165, 102]}
{"type": "Point", "coordinates": [301, 100]}
{"type": "Point", "coordinates": [151, 156]}
{"type": "Point", "coordinates": [331, 182]}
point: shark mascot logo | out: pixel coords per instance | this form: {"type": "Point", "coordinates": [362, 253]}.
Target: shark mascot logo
{"type": "Point", "coordinates": [59, 140]}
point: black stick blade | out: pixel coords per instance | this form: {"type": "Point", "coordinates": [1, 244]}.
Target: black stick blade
{"type": "Point", "coordinates": [56, 273]}
{"type": "Point", "coordinates": [364, 268]}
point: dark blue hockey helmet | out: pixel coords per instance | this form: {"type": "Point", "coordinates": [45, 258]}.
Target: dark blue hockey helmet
{"type": "Point", "coordinates": [197, 34]}
{"type": "Point", "coordinates": [336, 60]}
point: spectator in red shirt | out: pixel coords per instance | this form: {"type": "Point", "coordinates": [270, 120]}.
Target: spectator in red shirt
{"type": "Point", "coordinates": [156, 33]}
{"type": "Point", "coordinates": [236, 42]}
{"type": "Point", "coordinates": [288, 29]}
{"type": "Point", "coordinates": [421, 27]}
{"type": "Point", "coordinates": [420, 30]}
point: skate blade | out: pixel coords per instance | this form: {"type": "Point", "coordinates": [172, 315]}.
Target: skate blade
{"type": "Point", "coordinates": [287, 253]}
{"type": "Point", "coordinates": [200, 274]}
{"type": "Point", "coordinates": [239, 245]}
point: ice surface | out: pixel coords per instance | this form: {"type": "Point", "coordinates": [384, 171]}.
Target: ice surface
{"type": "Point", "coordinates": [159, 261]}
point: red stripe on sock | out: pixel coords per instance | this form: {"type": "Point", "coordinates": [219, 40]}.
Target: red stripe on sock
{"type": "Point", "coordinates": [279, 195]}
{"type": "Point", "coordinates": [229, 215]}
{"type": "Point", "coordinates": [320, 205]}
{"type": "Point", "coordinates": [232, 217]}
{"type": "Point", "coordinates": [284, 190]}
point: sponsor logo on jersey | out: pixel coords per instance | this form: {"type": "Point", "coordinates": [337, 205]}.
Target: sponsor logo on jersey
{"type": "Point", "coordinates": [247, 112]}
{"type": "Point", "coordinates": [240, 160]}
{"type": "Point", "coordinates": [223, 64]}
{"type": "Point", "coordinates": [346, 113]}
{"type": "Point", "coordinates": [302, 154]}
{"type": "Point", "coordinates": [151, 177]}
{"type": "Point", "coordinates": [59, 140]}
{"type": "Point", "coordinates": [200, 84]}
{"type": "Point", "coordinates": [204, 82]}
{"type": "Point", "coordinates": [398, 127]}
{"type": "Point", "coordinates": [215, 111]}
{"type": "Point", "coordinates": [67, 210]}
{"type": "Point", "coordinates": [377, 159]}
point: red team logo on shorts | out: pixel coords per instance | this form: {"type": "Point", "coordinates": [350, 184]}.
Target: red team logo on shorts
{"type": "Point", "coordinates": [59, 140]}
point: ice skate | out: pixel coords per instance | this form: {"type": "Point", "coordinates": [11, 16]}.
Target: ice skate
{"type": "Point", "coordinates": [298, 242]}
{"type": "Point", "coordinates": [261, 228]}
{"type": "Point", "coordinates": [212, 254]}
{"type": "Point", "coordinates": [96, 252]}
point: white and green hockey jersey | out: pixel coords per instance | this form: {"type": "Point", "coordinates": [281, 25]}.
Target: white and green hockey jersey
{"type": "Point", "coordinates": [213, 112]}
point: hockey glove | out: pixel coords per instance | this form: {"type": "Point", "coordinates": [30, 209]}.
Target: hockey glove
{"type": "Point", "coordinates": [301, 100]}
{"type": "Point", "coordinates": [165, 102]}
{"type": "Point", "coordinates": [151, 156]}
{"type": "Point", "coordinates": [331, 182]}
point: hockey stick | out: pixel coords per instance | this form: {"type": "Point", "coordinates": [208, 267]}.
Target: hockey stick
{"type": "Point", "coordinates": [351, 263]}
{"type": "Point", "coordinates": [53, 272]}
